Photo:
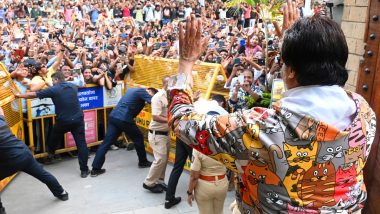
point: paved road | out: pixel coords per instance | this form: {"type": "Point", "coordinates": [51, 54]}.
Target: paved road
{"type": "Point", "coordinates": [119, 190]}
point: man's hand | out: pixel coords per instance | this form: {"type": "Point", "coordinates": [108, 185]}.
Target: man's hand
{"type": "Point", "coordinates": [291, 15]}
{"type": "Point", "coordinates": [15, 91]}
{"type": "Point", "coordinates": [190, 200]}
{"type": "Point", "coordinates": [237, 87]}
{"type": "Point", "coordinates": [226, 62]}
{"type": "Point", "coordinates": [275, 67]}
{"type": "Point", "coordinates": [196, 95]}
{"type": "Point", "coordinates": [191, 43]}
{"type": "Point", "coordinates": [234, 71]}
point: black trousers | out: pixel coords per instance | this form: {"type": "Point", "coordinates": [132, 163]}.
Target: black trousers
{"type": "Point", "coordinates": [182, 151]}
{"type": "Point", "coordinates": [114, 129]}
{"type": "Point", "coordinates": [29, 165]}
{"type": "Point", "coordinates": [77, 130]}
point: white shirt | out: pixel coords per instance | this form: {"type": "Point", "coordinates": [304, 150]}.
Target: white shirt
{"type": "Point", "coordinates": [329, 104]}
{"type": "Point", "coordinates": [201, 3]}
{"type": "Point", "coordinates": [149, 16]}
{"type": "Point", "coordinates": [157, 15]}
{"type": "Point", "coordinates": [222, 14]}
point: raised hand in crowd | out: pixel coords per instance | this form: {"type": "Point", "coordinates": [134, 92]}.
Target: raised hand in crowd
{"type": "Point", "coordinates": [191, 44]}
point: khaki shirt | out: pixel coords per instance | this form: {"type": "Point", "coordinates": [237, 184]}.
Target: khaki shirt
{"type": "Point", "coordinates": [159, 107]}
{"type": "Point", "coordinates": [206, 165]}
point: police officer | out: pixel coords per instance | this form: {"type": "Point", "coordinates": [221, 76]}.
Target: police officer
{"type": "Point", "coordinates": [159, 141]}
{"type": "Point", "coordinates": [15, 156]}
{"type": "Point", "coordinates": [208, 184]}
{"type": "Point", "coordinates": [69, 117]}
{"type": "Point", "coordinates": [121, 120]}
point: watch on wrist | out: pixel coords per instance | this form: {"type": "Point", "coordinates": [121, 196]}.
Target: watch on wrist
{"type": "Point", "coordinates": [189, 193]}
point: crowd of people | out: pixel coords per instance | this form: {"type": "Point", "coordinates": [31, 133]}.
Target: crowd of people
{"type": "Point", "coordinates": [95, 41]}
{"type": "Point", "coordinates": [51, 48]}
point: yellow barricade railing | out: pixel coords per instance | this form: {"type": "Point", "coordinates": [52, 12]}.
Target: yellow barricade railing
{"type": "Point", "coordinates": [208, 78]}
{"type": "Point", "coordinates": [96, 103]}
{"type": "Point", "coordinates": [12, 110]}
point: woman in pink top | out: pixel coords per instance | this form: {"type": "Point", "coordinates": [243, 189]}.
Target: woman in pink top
{"type": "Point", "coordinates": [68, 13]}
{"type": "Point", "coordinates": [247, 15]}
{"type": "Point", "coordinates": [126, 11]}
{"type": "Point", "coordinates": [252, 46]}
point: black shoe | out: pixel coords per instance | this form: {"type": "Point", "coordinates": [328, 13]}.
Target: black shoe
{"type": "Point", "coordinates": [84, 174]}
{"type": "Point", "coordinates": [120, 144]}
{"type": "Point", "coordinates": [64, 196]}
{"type": "Point", "coordinates": [96, 172]}
{"type": "Point", "coordinates": [2, 210]}
{"type": "Point", "coordinates": [145, 164]}
{"type": "Point", "coordinates": [163, 186]}
{"type": "Point", "coordinates": [172, 202]}
{"type": "Point", "coordinates": [154, 189]}
{"type": "Point", "coordinates": [49, 159]}
{"type": "Point", "coordinates": [57, 157]}
{"type": "Point", "coordinates": [130, 146]}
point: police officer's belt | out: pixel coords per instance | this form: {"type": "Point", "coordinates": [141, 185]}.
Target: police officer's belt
{"type": "Point", "coordinates": [158, 132]}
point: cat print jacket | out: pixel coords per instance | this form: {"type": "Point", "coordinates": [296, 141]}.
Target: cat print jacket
{"type": "Point", "coordinates": [286, 162]}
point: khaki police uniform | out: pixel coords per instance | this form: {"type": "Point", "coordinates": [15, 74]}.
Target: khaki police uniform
{"type": "Point", "coordinates": [158, 140]}
{"type": "Point", "coordinates": [211, 189]}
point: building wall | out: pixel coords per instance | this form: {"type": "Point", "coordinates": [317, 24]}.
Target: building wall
{"type": "Point", "coordinates": [354, 25]}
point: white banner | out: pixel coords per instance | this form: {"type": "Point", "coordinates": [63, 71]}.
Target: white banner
{"type": "Point", "coordinates": [112, 97]}
{"type": "Point", "coordinates": [42, 107]}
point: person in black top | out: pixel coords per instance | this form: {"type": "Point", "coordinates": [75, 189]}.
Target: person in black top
{"type": "Point", "coordinates": [166, 14]}
{"type": "Point", "coordinates": [181, 12]}
{"type": "Point", "coordinates": [173, 10]}
{"type": "Point", "coordinates": [117, 11]}
{"type": "Point", "coordinates": [15, 156]}
{"type": "Point", "coordinates": [69, 117]}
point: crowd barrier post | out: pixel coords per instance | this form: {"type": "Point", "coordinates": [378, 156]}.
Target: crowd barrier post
{"type": "Point", "coordinates": [12, 108]}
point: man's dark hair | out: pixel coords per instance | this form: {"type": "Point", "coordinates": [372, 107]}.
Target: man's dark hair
{"type": "Point", "coordinates": [78, 39]}
{"type": "Point", "coordinates": [58, 76]}
{"type": "Point", "coordinates": [316, 49]}
{"type": "Point", "coordinates": [153, 90]}
{"type": "Point", "coordinates": [220, 99]}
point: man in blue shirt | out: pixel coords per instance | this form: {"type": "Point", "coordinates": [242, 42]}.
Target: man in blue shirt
{"type": "Point", "coordinates": [94, 14]}
{"type": "Point", "coordinates": [121, 120]}
{"type": "Point", "coordinates": [69, 117]}
{"type": "Point", "coordinates": [15, 156]}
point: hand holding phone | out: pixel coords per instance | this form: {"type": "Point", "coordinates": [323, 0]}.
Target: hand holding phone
{"type": "Point", "coordinates": [218, 59]}
{"type": "Point", "coordinates": [241, 79]}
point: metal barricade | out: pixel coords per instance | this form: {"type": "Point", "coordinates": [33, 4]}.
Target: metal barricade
{"type": "Point", "coordinates": [96, 103]}
{"type": "Point", "coordinates": [12, 110]}
{"type": "Point", "coordinates": [209, 78]}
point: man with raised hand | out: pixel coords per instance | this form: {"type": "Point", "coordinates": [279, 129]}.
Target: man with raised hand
{"type": "Point", "coordinates": [298, 156]}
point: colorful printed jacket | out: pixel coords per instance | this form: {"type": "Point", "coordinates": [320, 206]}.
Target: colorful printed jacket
{"type": "Point", "coordinates": [286, 162]}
